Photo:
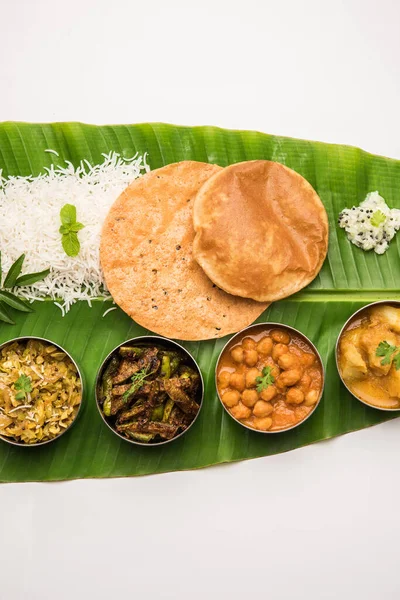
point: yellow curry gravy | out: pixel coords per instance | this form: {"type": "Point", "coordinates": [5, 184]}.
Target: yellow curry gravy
{"type": "Point", "coordinates": [289, 393]}
{"type": "Point", "coordinates": [359, 364]}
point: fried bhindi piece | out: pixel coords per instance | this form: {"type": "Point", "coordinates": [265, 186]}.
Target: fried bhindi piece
{"type": "Point", "coordinates": [153, 427]}
{"type": "Point", "coordinates": [150, 393]}
{"type": "Point", "coordinates": [131, 352]}
{"type": "Point", "coordinates": [126, 415]}
{"type": "Point", "coordinates": [148, 361]}
{"type": "Point", "coordinates": [107, 386]}
{"type": "Point", "coordinates": [145, 438]}
{"type": "Point", "coordinates": [168, 406]}
{"type": "Point", "coordinates": [175, 391]}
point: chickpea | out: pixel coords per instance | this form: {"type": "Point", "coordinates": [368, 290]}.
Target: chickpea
{"type": "Point", "coordinates": [294, 396]}
{"type": "Point", "coordinates": [311, 398]}
{"type": "Point", "coordinates": [288, 361]}
{"type": "Point", "coordinates": [305, 383]}
{"type": "Point", "coordinates": [224, 378]}
{"type": "Point", "coordinates": [250, 357]}
{"type": "Point", "coordinates": [265, 346]}
{"type": "Point", "coordinates": [262, 409]}
{"type": "Point", "coordinates": [231, 398]}
{"type": "Point", "coordinates": [251, 377]}
{"type": "Point", "coordinates": [248, 343]}
{"type": "Point", "coordinates": [268, 393]}
{"type": "Point", "coordinates": [289, 377]}
{"type": "Point", "coordinates": [237, 381]}
{"type": "Point", "coordinates": [249, 398]}
{"type": "Point", "coordinates": [275, 370]}
{"type": "Point", "coordinates": [240, 411]}
{"type": "Point", "coordinates": [237, 354]}
{"type": "Point", "coordinates": [262, 423]}
{"type": "Point", "coordinates": [308, 359]}
{"type": "Point", "coordinates": [278, 350]}
{"type": "Point", "coordinates": [280, 336]}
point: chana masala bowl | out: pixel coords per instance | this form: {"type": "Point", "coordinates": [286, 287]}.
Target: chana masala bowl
{"type": "Point", "coordinates": [269, 377]}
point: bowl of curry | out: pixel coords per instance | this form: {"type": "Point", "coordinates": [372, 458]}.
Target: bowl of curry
{"type": "Point", "coordinates": [269, 377]}
{"type": "Point", "coordinates": [368, 355]}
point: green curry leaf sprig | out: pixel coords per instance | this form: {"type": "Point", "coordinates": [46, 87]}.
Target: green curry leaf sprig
{"type": "Point", "coordinates": [14, 279]}
{"type": "Point", "coordinates": [69, 230]}
{"type": "Point", "coordinates": [265, 380]}
{"type": "Point", "coordinates": [389, 353]}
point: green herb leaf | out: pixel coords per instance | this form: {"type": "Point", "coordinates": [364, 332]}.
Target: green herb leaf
{"type": "Point", "coordinates": [266, 380]}
{"type": "Point", "coordinates": [0, 269]}
{"type": "Point", "coordinates": [386, 350]}
{"type": "Point", "coordinates": [76, 227]}
{"type": "Point", "coordinates": [396, 361]}
{"type": "Point", "coordinates": [377, 218]}
{"type": "Point", "coordinates": [68, 214]}
{"type": "Point", "coordinates": [14, 272]}
{"type": "Point", "coordinates": [4, 316]}
{"type": "Point", "coordinates": [69, 230]}
{"type": "Point", "coordinates": [71, 244]}
{"type": "Point", "coordinates": [15, 302]}
{"type": "Point", "coordinates": [31, 278]}
{"type": "Point", "coordinates": [138, 380]}
{"type": "Point", "coordinates": [23, 385]}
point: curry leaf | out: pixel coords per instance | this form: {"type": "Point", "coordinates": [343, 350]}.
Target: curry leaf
{"type": "Point", "coordinates": [14, 272]}
{"type": "Point", "coordinates": [4, 316]}
{"type": "Point", "coordinates": [15, 302]}
{"type": "Point", "coordinates": [31, 278]}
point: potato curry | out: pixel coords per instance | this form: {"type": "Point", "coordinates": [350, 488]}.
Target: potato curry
{"type": "Point", "coordinates": [369, 356]}
{"type": "Point", "coordinates": [269, 380]}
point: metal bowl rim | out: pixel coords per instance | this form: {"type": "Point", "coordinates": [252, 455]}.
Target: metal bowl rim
{"type": "Point", "coordinates": [42, 339]}
{"type": "Point", "coordinates": [337, 352]}
{"type": "Point", "coordinates": [100, 371]}
{"type": "Point", "coordinates": [301, 334]}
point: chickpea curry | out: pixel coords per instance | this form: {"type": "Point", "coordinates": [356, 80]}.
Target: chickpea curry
{"type": "Point", "coordinates": [269, 379]}
{"type": "Point", "coordinates": [369, 356]}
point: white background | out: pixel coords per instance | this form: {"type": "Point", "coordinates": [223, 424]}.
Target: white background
{"type": "Point", "coordinates": [321, 522]}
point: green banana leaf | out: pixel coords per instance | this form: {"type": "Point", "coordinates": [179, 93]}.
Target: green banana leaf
{"type": "Point", "coordinates": [349, 279]}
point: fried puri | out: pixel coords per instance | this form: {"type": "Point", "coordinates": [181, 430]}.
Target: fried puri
{"type": "Point", "coordinates": [261, 230]}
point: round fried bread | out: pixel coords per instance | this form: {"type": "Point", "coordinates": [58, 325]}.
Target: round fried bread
{"type": "Point", "coordinates": [261, 230]}
{"type": "Point", "coordinates": [146, 256]}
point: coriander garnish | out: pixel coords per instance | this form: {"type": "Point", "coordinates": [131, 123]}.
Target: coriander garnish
{"type": "Point", "coordinates": [24, 385]}
{"type": "Point", "coordinates": [69, 230]}
{"type": "Point", "coordinates": [378, 218]}
{"type": "Point", "coordinates": [389, 353]}
{"type": "Point", "coordinates": [266, 380]}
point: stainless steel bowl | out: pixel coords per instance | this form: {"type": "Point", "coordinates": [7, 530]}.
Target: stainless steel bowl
{"type": "Point", "coordinates": [159, 342]}
{"type": "Point", "coordinates": [33, 337]}
{"type": "Point", "coordinates": [263, 327]}
{"type": "Point", "coordinates": [353, 317]}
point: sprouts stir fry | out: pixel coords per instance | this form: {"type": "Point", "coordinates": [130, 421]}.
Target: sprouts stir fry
{"type": "Point", "coordinates": [40, 391]}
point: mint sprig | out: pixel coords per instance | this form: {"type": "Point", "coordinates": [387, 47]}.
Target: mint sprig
{"type": "Point", "coordinates": [69, 230]}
